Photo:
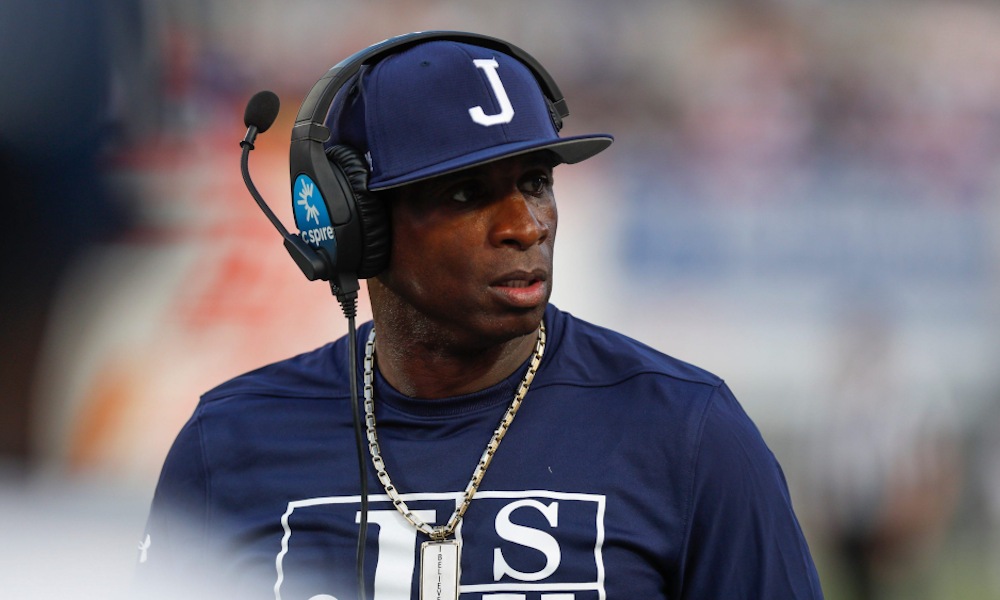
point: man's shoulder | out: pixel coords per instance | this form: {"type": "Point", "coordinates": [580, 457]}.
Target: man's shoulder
{"type": "Point", "coordinates": [598, 354]}
{"type": "Point", "coordinates": [319, 373]}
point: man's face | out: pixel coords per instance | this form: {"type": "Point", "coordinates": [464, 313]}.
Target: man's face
{"type": "Point", "coordinates": [472, 252]}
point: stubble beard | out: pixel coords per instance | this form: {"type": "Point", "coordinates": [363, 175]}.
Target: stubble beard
{"type": "Point", "coordinates": [441, 331]}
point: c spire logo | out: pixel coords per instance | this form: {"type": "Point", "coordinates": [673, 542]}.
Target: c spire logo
{"type": "Point", "coordinates": [305, 193]}
{"type": "Point", "coordinates": [311, 216]}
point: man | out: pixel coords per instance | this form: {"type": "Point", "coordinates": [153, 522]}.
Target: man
{"type": "Point", "coordinates": [622, 473]}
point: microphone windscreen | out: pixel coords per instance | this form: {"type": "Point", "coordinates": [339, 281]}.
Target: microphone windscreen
{"type": "Point", "coordinates": [261, 110]}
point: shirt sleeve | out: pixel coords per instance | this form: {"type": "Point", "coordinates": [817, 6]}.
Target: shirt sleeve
{"type": "Point", "coordinates": [174, 545]}
{"type": "Point", "coordinates": [743, 539]}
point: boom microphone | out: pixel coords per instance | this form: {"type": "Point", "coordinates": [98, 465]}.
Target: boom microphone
{"type": "Point", "coordinates": [260, 113]}
{"type": "Point", "coordinates": [261, 110]}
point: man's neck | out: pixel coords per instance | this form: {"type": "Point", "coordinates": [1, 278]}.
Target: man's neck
{"type": "Point", "coordinates": [421, 368]}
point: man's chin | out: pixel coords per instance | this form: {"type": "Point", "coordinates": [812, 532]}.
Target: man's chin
{"type": "Point", "coordinates": [516, 323]}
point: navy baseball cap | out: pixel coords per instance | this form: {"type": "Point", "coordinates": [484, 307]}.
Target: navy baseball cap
{"type": "Point", "coordinates": [442, 106]}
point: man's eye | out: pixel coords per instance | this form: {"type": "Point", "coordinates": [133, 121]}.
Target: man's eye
{"type": "Point", "coordinates": [536, 184]}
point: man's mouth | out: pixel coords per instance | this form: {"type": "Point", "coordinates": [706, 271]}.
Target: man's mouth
{"type": "Point", "coordinates": [516, 283]}
{"type": "Point", "coordinates": [520, 279]}
{"type": "Point", "coordinates": [523, 288]}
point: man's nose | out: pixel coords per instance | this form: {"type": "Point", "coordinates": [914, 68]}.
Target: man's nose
{"type": "Point", "coordinates": [519, 222]}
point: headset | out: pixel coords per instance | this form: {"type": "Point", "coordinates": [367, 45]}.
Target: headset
{"type": "Point", "coordinates": [358, 220]}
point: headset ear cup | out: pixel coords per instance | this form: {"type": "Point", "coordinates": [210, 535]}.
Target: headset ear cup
{"type": "Point", "coordinates": [372, 215]}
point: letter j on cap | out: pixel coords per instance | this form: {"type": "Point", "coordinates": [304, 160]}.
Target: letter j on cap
{"type": "Point", "coordinates": [490, 66]}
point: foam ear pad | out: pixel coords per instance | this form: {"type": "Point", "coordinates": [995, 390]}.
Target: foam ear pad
{"type": "Point", "coordinates": [372, 215]}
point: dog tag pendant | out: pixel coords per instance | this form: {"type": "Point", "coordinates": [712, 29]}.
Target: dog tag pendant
{"type": "Point", "coordinates": [440, 569]}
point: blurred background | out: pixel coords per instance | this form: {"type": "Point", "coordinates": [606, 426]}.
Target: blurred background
{"type": "Point", "coordinates": [803, 197]}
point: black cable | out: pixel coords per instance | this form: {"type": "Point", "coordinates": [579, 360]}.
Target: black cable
{"type": "Point", "coordinates": [349, 302]}
{"type": "Point", "coordinates": [245, 169]}
{"type": "Point", "coordinates": [260, 114]}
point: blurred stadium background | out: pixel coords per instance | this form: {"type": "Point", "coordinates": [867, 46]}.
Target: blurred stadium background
{"type": "Point", "coordinates": [804, 197]}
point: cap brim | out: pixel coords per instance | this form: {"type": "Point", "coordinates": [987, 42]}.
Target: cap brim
{"type": "Point", "coordinates": [569, 150]}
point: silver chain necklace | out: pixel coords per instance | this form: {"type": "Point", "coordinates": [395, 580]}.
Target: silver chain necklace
{"type": "Point", "coordinates": [440, 558]}
{"type": "Point", "coordinates": [441, 532]}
